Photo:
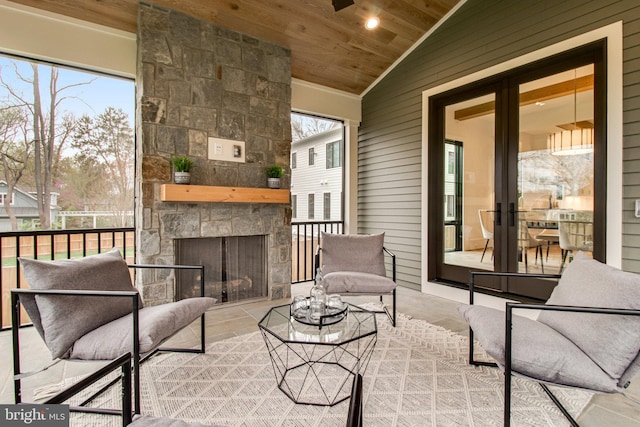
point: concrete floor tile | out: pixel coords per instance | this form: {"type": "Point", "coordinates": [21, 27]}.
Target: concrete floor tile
{"type": "Point", "coordinates": [598, 416]}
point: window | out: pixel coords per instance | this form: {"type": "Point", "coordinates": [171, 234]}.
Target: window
{"type": "Point", "coordinates": [451, 162]}
{"type": "Point", "coordinates": [310, 136]}
{"type": "Point", "coordinates": [451, 206]}
{"type": "Point", "coordinates": [294, 161]}
{"type": "Point", "coordinates": [87, 119]}
{"type": "Point", "coordinates": [334, 156]}
{"type": "Point", "coordinates": [3, 196]}
{"type": "Point", "coordinates": [294, 206]}
{"type": "Point", "coordinates": [310, 214]}
{"type": "Point", "coordinates": [327, 206]}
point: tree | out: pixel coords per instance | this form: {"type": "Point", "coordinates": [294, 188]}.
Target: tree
{"type": "Point", "coordinates": [51, 129]}
{"type": "Point", "coordinates": [108, 141]}
{"type": "Point", "coordinates": [83, 184]}
{"type": "Point", "coordinates": [14, 153]}
{"type": "Point", "coordinates": [305, 126]}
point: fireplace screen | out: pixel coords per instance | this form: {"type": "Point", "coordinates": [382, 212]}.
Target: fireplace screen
{"type": "Point", "coordinates": [235, 267]}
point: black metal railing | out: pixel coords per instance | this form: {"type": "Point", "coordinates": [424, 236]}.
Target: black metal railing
{"type": "Point", "coordinates": [54, 244]}
{"type": "Point", "coordinates": [67, 244]}
{"type": "Point", "coordinates": [304, 242]}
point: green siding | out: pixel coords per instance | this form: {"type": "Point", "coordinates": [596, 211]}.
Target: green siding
{"type": "Point", "coordinates": [482, 33]}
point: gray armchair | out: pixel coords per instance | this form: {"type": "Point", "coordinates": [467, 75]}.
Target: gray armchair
{"type": "Point", "coordinates": [355, 265]}
{"type": "Point", "coordinates": [88, 309]}
{"type": "Point", "coordinates": [587, 335]}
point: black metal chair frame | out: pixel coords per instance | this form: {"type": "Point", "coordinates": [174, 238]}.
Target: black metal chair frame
{"type": "Point", "coordinates": [124, 363]}
{"type": "Point", "coordinates": [385, 310]}
{"type": "Point", "coordinates": [137, 359]}
{"type": "Point", "coordinates": [355, 417]}
{"type": "Point", "coordinates": [510, 306]}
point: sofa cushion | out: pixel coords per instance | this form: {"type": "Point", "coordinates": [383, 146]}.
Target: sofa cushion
{"type": "Point", "coordinates": [538, 351]}
{"type": "Point", "coordinates": [353, 252]}
{"type": "Point", "coordinates": [341, 282]}
{"type": "Point", "coordinates": [64, 319]}
{"type": "Point", "coordinates": [156, 324]}
{"type": "Point", "coordinates": [604, 338]}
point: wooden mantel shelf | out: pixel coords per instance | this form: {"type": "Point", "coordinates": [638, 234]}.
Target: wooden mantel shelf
{"type": "Point", "coordinates": [206, 193]}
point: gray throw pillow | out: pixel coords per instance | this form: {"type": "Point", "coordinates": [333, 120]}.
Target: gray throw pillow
{"type": "Point", "coordinates": [353, 252]}
{"type": "Point", "coordinates": [612, 341]}
{"type": "Point", "coordinates": [64, 319]}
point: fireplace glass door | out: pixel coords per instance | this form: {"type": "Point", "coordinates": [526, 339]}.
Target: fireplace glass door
{"type": "Point", "coordinates": [235, 267]}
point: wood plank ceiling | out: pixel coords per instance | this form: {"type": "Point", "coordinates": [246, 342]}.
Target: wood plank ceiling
{"type": "Point", "coordinates": [329, 48]}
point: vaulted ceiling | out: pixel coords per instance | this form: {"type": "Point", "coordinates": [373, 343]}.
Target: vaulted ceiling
{"type": "Point", "coordinates": [329, 48]}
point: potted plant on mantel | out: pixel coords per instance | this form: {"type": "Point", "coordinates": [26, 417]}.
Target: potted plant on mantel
{"type": "Point", "coordinates": [181, 169]}
{"type": "Point", "coordinates": [274, 173]}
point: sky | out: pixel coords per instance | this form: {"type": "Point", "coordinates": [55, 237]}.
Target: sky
{"type": "Point", "coordinates": [91, 99]}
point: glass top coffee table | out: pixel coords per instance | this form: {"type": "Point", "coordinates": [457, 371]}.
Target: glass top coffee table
{"type": "Point", "coordinates": [316, 366]}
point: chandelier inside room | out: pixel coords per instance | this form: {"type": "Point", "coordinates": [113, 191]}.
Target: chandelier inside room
{"type": "Point", "coordinates": [575, 137]}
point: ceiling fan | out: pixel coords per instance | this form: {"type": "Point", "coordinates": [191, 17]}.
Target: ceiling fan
{"type": "Point", "coordinates": [341, 4]}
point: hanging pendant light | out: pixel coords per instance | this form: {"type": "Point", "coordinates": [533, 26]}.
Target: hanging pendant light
{"type": "Point", "coordinates": [576, 137]}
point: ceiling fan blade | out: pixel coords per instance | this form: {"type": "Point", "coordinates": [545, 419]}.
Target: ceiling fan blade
{"type": "Point", "coordinates": [341, 4]}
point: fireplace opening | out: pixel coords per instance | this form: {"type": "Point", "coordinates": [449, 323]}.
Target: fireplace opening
{"type": "Point", "coordinates": [235, 267]}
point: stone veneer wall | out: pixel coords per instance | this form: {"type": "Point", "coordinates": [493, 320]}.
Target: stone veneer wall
{"type": "Point", "coordinates": [198, 80]}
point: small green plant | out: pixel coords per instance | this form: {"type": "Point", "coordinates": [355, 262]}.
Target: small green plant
{"type": "Point", "coordinates": [275, 171]}
{"type": "Point", "coordinates": [182, 163]}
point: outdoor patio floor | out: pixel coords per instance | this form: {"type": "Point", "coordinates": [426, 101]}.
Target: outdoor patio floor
{"type": "Point", "coordinates": [234, 320]}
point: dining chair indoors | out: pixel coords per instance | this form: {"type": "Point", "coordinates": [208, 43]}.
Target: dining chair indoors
{"type": "Point", "coordinates": [486, 225]}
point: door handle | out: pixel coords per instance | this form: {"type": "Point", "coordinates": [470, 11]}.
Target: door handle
{"type": "Point", "coordinates": [498, 214]}
{"type": "Point", "coordinates": [512, 214]}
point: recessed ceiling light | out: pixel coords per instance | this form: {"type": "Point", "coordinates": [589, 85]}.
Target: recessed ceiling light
{"type": "Point", "coordinates": [539, 103]}
{"type": "Point", "coordinates": [372, 23]}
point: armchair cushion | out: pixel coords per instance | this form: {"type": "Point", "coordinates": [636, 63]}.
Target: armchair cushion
{"type": "Point", "coordinates": [61, 320]}
{"type": "Point", "coordinates": [538, 351]}
{"type": "Point", "coordinates": [589, 283]}
{"type": "Point", "coordinates": [355, 282]}
{"type": "Point", "coordinates": [363, 253]}
{"type": "Point", "coordinates": [156, 323]}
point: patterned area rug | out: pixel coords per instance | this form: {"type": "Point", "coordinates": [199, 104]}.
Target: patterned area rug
{"type": "Point", "coordinates": [418, 376]}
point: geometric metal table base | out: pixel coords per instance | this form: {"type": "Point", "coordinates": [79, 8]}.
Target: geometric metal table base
{"type": "Point", "coordinates": [316, 366]}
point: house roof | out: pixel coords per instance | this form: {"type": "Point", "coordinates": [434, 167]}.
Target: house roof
{"type": "Point", "coordinates": [330, 48]}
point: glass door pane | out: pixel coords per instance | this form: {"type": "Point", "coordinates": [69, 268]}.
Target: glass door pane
{"type": "Point", "coordinates": [469, 184]}
{"type": "Point", "coordinates": [555, 170]}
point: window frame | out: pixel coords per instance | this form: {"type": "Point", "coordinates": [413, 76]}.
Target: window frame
{"type": "Point", "coordinates": [332, 149]}
{"type": "Point", "coordinates": [326, 206]}
{"type": "Point", "coordinates": [311, 206]}
{"type": "Point", "coordinates": [294, 206]}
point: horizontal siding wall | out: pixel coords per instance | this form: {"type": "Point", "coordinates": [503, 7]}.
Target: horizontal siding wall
{"type": "Point", "coordinates": [631, 135]}
{"type": "Point", "coordinates": [482, 33]}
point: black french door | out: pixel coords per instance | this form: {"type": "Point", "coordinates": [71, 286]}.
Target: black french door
{"type": "Point", "coordinates": [534, 164]}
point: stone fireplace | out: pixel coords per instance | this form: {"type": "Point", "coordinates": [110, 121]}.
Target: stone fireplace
{"type": "Point", "coordinates": [197, 80]}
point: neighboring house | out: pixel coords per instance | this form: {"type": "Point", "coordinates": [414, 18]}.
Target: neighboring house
{"type": "Point", "coordinates": [316, 177]}
{"type": "Point", "coordinates": [25, 208]}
